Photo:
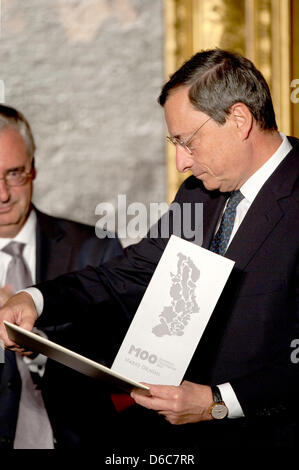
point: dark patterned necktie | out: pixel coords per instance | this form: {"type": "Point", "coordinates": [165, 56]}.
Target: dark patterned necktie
{"type": "Point", "coordinates": [18, 275]}
{"type": "Point", "coordinates": [221, 239]}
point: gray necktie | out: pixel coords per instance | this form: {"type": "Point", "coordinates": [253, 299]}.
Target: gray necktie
{"type": "Point", "coordinates": [18, 275]}
{"type": "Point", "coordinates": [33, 427]}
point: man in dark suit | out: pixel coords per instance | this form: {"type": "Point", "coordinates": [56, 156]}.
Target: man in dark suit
{"type": "Point", "coordinates": [241, 384]}
{"type": "Point", "coordinates": [53, 246]}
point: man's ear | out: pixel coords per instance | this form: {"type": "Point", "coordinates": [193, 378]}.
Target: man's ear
{"type": "Point", "coordinates": [33, 173]}
{"type": "Point", "coordinates": [242, 118]}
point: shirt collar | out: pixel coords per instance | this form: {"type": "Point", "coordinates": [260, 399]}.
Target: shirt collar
{"type": "Point", "coordinates": [253, 185]}
{"type": "Point", "coordinates": [26, 234]}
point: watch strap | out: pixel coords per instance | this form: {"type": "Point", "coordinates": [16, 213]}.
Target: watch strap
{"type": "Point", "coordinates": [218, 409]}
{"type": "Point", "coordinates": [217, 398]}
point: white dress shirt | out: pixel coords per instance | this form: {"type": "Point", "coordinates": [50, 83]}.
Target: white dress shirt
{"type": "Point", "coordinates": [249, 190]}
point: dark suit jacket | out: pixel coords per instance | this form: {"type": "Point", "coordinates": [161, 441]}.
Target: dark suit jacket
{"type": "Point", "coordinates": [61, 246]}
{"type": "Point", "coordinates": [247, 341]}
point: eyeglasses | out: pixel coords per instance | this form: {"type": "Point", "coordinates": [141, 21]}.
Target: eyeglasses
{"type": "Point", "coordinates": [186, 144]}
{"type": "Point", "coordinates": [17, 177]}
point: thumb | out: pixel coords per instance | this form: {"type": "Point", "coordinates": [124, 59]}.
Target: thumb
{"type": "Point", "coordinates": [4, 336]}
{"type": "Point", "coordinates": [27, 323]}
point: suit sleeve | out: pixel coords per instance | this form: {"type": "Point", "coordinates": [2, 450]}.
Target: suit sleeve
{"type": "Point", "coordinates": [115, 287]}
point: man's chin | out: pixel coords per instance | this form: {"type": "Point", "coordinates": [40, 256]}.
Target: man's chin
{"type": "Point", "coordinates": [214, 185]}
{"type": "Point", "coordinates": [9, 226]}
{"type": "Point", "coordinates": [209, 185]}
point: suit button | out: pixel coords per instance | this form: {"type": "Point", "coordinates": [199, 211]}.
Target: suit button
{"type": "Point", "coordinates": [9, 384]}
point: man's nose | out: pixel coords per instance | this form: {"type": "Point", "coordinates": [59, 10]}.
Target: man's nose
{"type": "Point", "coordinates": [184, 160]}
{"type": "Point", "coordinates": [4, 191]}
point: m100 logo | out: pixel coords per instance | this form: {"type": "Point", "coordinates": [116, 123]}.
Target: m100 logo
{"type": "Point", "coordinates": [143, 354]}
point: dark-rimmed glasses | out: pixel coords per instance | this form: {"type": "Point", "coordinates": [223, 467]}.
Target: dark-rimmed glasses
{"type": "Point", "coordinates": [186, 143]}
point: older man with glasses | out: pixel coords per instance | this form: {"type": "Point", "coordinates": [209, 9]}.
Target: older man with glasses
{"type": "Point", "coordinates": [35, 247]}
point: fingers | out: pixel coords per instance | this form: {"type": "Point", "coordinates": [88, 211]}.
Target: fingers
{"type": "Point", "coordinates": [20, 310]}
{"type": "Point", "coordinates": [151, 403]}
{"type": "Point", "coordinates": [18, 349]}
{"type": "Point", "coordinates": [27, 323]}
{"type": "Point", "coordinates": [29, 354]}
{"type": "Point", "coordinates": [5, 294]}
{"type": "Point", "coordinates": [162, 397]}
{"type": "Point", "coordinates": [4, 337]}
{"type": "Point", "coordinates": [165, 392]}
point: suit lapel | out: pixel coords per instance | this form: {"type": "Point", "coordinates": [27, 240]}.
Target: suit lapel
{"type": "Point", "coordinates": [259, 221]}
{"type": "Point", "coordinates": [265, 212]}
{"type": "Point", "coordinates": [52, 252]}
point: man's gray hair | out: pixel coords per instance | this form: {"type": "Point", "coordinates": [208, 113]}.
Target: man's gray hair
{"type": "Point", "coordinates": [11, 118]}
{"type": "Point", "coordinates": [217, 79]}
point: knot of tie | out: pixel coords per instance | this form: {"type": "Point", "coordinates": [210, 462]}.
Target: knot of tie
{"type": "Point", "coordinates": [14, 249]}
{"type": "Point", "coordinates": [222, 237]}
{"type": "Point", "coordinates": [18, 275]}
{"type": "Point", "coordinates": [235, 198]}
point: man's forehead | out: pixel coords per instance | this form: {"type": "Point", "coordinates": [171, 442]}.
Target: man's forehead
{"type": "Point", "coordinates": [180, 115]}
{"type": "Point", "coordinates": [178, 96]}
{"type": "Point", "coordinates": [13, 151]}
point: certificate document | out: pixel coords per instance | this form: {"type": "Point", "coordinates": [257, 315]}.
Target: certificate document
{"type": "Point", "coordinates": [173, 314]}
{"type": "Point", "coordinates": [34, 342]}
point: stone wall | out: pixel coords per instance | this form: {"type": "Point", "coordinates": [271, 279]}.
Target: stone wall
{"type": "Point", "coordinates": [86, 74]}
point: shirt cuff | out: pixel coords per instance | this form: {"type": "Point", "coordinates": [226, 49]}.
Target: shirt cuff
{"type": "Point", "coordinates": [37, 298]}
{"type": "Point", "coordinates": [231, 401]}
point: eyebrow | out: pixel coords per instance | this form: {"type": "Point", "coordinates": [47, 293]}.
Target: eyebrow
{"type": "Point", "coordinates": [180, 137]}
{"type": "Point", "coordinates": [21, 167]}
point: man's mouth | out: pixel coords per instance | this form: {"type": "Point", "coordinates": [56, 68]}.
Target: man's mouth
{"type": "Point", "coordinates": [6, 208]}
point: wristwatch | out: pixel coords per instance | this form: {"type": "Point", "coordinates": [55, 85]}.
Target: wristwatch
{"type": "Point", "coordinates": [218, 409]}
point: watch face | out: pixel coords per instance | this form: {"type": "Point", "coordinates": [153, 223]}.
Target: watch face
{"type": "Point", "coordinates": [219, 411]}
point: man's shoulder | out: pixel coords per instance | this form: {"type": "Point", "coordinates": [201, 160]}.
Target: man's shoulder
{"type": "Point", "coordinates": [63, 225]}
{"type": "Point", "coordinates": [75, 242]}
{"type": "Point", "coordinates": [294, 141]}
{"type": "Point", "coordinates": [71, 231]}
